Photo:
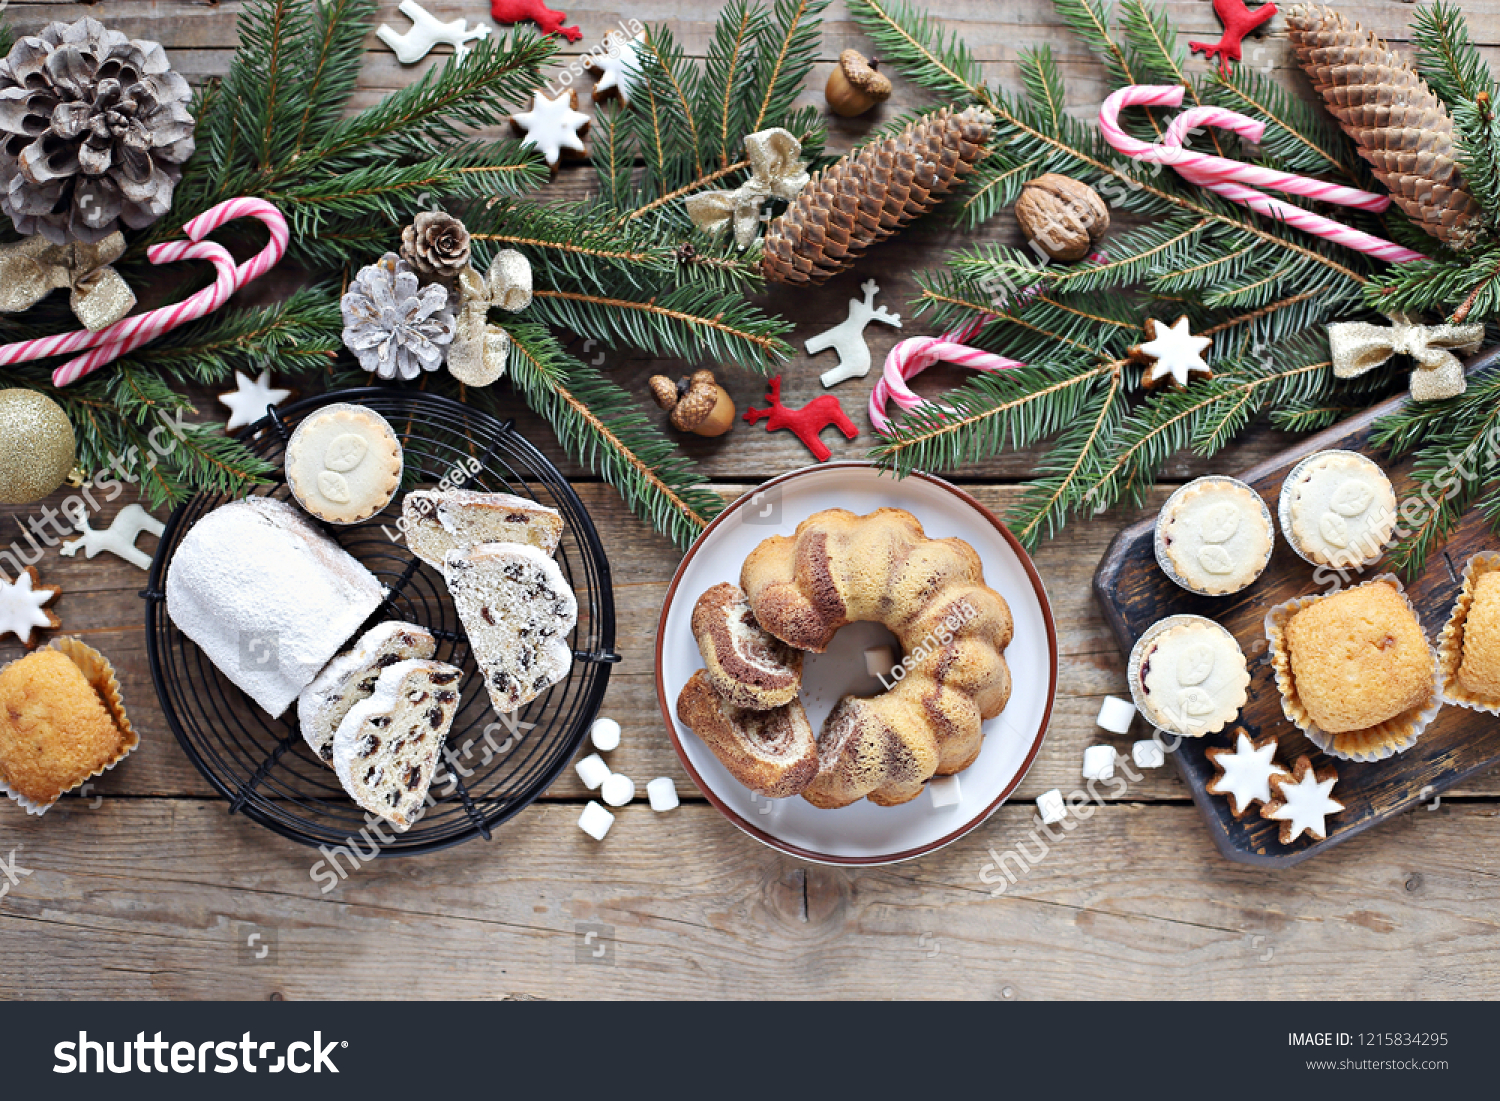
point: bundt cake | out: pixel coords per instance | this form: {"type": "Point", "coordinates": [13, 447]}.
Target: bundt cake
{"type": "Point", "coordinates": [839, 568]}
{"type": "Point", "coordinates": [773, 752]}
{"type": "Point", "coordinates": [746, 664]}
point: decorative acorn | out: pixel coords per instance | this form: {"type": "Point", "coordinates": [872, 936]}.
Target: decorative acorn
{"type": "Point", "coordinates": [856, 84]}
{"type": "Point", "coordinates": [697, 403]}
{"type": "Point", "coordinates": [1063, 217]}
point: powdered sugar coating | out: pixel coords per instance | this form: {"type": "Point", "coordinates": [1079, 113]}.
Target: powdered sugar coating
{"type": "Point", "coordinates": [350, 678]}
{"type": "Point", "coordinates": [268, 597]}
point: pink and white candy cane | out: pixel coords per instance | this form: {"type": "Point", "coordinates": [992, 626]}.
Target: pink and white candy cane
{"type": "Point", "coordinates": [911, 357]}
{"type": "Point", "coordinates": [127, 335]}
{"type": "Point", "coordinates": [1237, 181]}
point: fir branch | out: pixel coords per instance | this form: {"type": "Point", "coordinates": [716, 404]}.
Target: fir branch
{"type": "Point", "coordinates": [602, 427]}
{"type": "Point", "coordinates": [1446, 57]}
{"type": "Point", "coordinates": [786, 49]}
{"type": "Point", "coordinates": [922, 49]}
{"type": "Point", "coordinates": [689, 323]}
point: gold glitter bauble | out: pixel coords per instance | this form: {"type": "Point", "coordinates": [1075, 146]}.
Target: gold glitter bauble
{"type": "Point", "coordinates": [37, 447]}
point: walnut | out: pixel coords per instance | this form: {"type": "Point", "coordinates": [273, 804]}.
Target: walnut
{"type": "Point", "coordinates": [1065, 218]}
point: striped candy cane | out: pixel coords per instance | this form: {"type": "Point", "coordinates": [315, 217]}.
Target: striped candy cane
{"type": "Point", "coordinates": [127, 335]}
{"type": "Point", "coordinates": [913, 356]}
{"type": "Point", "coordinates": [1237, 181]}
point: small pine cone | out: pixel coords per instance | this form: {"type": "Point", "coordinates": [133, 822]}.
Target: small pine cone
{"type": "Point", "coordinates": [1396, 121]}
{"type": "Point", "coordinates": [871, 194]}
{"type": "Point", "coordinates": [436, 246]}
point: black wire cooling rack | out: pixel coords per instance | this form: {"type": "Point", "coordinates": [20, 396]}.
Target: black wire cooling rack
{"type": "Point", "coordinates": [495, 769]}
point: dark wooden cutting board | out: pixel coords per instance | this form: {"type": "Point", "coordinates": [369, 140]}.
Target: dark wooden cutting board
{"type": "Point", "coordinates": [1134, 594]}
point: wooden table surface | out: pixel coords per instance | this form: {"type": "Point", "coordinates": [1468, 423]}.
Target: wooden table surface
{"type": "Point", "coordinates": [147, 888]}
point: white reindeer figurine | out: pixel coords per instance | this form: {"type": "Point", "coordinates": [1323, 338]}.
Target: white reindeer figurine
{"type": "Point", "coordinates": [428, 31]}
{"type": "Point", "coordinates": [848, 337]}
{"type": "Point", "coordinates": [119, 538]}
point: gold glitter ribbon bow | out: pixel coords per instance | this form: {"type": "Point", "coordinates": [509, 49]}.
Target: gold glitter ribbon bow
{"type": "Point", "coordinates": [776, 171]}
{"type": "Point", "coordinates": [1359, 346]}
{"type": "Point", "coordinates": [32, 269]}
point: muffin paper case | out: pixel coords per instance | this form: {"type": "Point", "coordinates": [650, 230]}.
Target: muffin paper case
{"type": "Point", "coordinates": [1451, 640]}
{"type": "Point", "coordinates": [1374, 743]}
{"type": "Point", "coordinates": [1137, 688]}
{"type": "Point", "coordinates": [1288, 528]}
{"type": "Point", "coordinates": [100, 674]}
{"type": "Point", "coordinates": [1163, 559]}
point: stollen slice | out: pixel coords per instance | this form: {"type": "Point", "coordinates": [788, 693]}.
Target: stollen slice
{"type": "Point", "coordinates": [437, 521]}
{"type": "Point", "coordinates": [350, 678]}
{"type": "Point", "coordinates": [518, 611]}
{"type": "Point", "coordinates": [386, 749]}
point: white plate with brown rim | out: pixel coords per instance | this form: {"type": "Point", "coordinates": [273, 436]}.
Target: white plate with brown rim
{"type": "Point", "coordinates": [864, 833]}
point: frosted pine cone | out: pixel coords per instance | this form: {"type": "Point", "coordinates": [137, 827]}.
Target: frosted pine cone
{"type": "Point", "coordinates": [1396, 121]}
{"type": "Point", "coordinates": [436, 246]}
{"type": "Point", "coordinates": [393, 324]}
{"type": "Point", "coordinates": [94, 128]}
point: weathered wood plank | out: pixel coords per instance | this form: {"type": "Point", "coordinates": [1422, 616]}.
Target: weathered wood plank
{"type": "Point", "coordinates": [149, 899]}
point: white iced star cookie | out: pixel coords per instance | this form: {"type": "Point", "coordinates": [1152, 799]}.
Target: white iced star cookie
{"type": "Point", "coordinates": [23, 606]}
{"type": "Point", "coordinates": [1171, 355]}
{"type": "Point", "coordinates": [1245, 773]}
{"type": "Point", "coordinates": [617, 72]}
{"type": "Point", "coordinates": [1302, 802]}
{"type": "Point", "coordinates": [249, 400]}
{"type": "Point", "coordinates": [552, 125]}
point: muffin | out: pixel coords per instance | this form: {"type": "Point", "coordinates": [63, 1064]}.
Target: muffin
{"type": "Point", "coordinates": [343, 463]}
{"type": "Point", "coordinates": [61, 722]}
{"type": "Point", "coordinates": [1214, 536]}
{"type": "Point", "coordinates": [1469, 647]}
{"type": "Point", "coordinates": [1338, 509]}
{"type": "Point", "coordinates": [1188, 675]}
{"type": "Point", "coordinates": [1355, 669]}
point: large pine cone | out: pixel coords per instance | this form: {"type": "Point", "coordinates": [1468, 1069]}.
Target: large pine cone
{"type": "Point", "coordinates": [872, 193]}
{"type": "Point", "coordinates": [1396, 121]}
{"type": "Point", "coordinates": [95, 129]}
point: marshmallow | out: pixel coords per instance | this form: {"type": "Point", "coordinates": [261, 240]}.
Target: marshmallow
{"type": "Point", "coordinates": [1050, 805]}
{"type": "Point", "coordinates": [606, 734]}
{"type": "Point", "coordinates": [1116, 715]}
{"type": "Point", "coordinates": [592, 771]}
{"type": "Point", "coordinates": [1148, 754]}
{"type": "Point", "coordinates": [595, 821]}
{"type": "Point", "coordinates": [1099, 762]}
{"type": "Point", "coordinates": [618, 790]}
{"type": "Point", "coordinates": [879, 660]}
{"type": "Point", "coordinates": [944, 791]}
{"type": "Point", "coordinates": [662, 793]}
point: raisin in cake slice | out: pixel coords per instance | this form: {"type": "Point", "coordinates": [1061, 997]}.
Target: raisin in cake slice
{"type": "Point", "coordinates": [386, 749]}
{"type": "Point", "coordinates": [350, 678]}
{"type": "Point", "coordinates": [518, 612]}
{"type": "Point", "coordinates": [438, 521]}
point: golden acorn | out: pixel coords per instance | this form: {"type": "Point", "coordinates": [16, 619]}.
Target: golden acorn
{"type": "Point", "coordinates": [871, 194]}
{"type": "Point", "coordinates": [1398, 124]}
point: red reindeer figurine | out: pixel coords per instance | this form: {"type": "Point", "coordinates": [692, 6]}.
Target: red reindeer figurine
{"type": "Point", "coordinates": [550, 22]}
{"type": "Point", "coordinates": [1238, 21]}
{"type": "Point", "coordinates": [807, 422]}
